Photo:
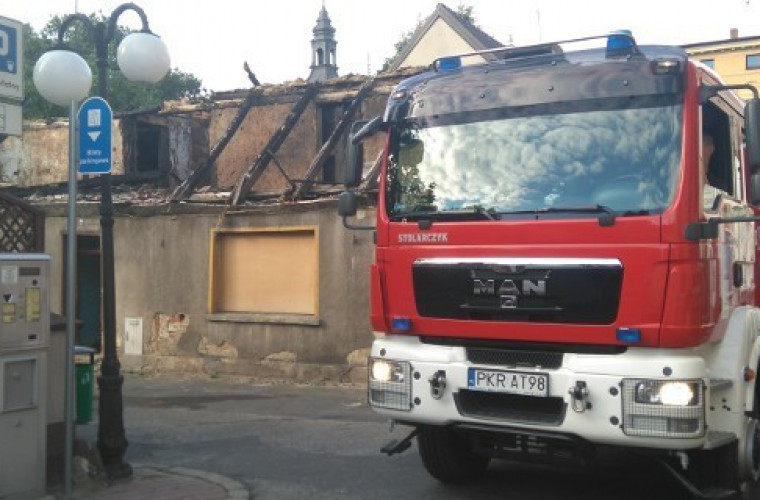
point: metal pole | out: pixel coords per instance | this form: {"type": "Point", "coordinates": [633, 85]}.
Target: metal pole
{"type": "Point", "coordinates": [71, 273]}
{"type": "Point", "coordinates": [112, 441]}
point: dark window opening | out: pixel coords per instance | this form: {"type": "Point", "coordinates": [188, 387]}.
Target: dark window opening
{"type": "Point", "coordinates": [710, 63]}
{"type": "Point", "coordinates": [320, 57]}
{"type": "Point", "coordinates": [753, 61]}
{"type": "Point", "coordinates": [328, 171]}
{"type": "Point", "coordinates": [716, 124]}
{"type": "Point", "coordinates": [330, 115]}
{"type": "Point", "coordinates": [88, 295]}
{"type": "Point", "coordinates": [150, 148]}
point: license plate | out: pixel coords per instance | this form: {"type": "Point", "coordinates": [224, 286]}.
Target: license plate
{"type": "Point", "coordinates": [523, 383]}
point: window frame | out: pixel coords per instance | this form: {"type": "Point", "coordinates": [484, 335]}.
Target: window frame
{"type": "Point", "coordinates": [756, 61]}
{"type": "Point", "coordinates": [730, 137]}
{"type": "Point", "coordinates": [215, 313]}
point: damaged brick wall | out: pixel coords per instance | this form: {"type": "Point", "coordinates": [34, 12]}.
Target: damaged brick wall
{"type": "Point", "coordinates": [304, 140]}
{"type": "Point", "coordinates": [167, 332]}
{"type": "Point", "coordinates": [40, 155]}
{"type": "Point", "coordinates": [188, 145]}
{"type": "Point", "coordinates": [252, 136]}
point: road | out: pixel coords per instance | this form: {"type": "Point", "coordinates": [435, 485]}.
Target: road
{"type": "Point", "coordinates": [313, 442]}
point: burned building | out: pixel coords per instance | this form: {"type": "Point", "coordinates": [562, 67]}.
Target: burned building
{"type": "Point", "coordinates": [230, 257]}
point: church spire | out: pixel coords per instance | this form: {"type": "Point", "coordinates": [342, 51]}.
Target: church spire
{"type": "Point", "coordinates": [323, 62]}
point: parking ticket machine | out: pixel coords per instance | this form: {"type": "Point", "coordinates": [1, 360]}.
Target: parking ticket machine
{"type": "Point", "coordinates": [24, 340]}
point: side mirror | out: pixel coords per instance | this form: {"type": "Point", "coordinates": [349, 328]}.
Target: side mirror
{"type": "Point", "coordinates": [354, 157]}
{"type": "Point", "coordinates": [347, 204]}
{"type": "Point", "coordinates": [359, 131]}
{"type": "Point", "coordinates": [752, 134]}
{"type": "Point", "coordinates": [755, 189]}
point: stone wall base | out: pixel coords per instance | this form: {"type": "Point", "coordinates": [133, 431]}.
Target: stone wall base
{"type": "Point", "coordinates": [286, 371]}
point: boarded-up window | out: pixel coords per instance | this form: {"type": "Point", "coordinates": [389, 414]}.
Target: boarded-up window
{"type": "Point", "coordinates": [265, 271]}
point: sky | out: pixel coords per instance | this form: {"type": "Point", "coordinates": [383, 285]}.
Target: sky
{"type": "Point", "coordinates": [212, 39]}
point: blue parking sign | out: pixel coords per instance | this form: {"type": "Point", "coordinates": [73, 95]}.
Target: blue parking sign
{"type": "Point", "coordinates": [95, 124]}
{"type": "Point", "coordinates": [11, 59]}
{"type": "Point", "coordinates": [8, 49]}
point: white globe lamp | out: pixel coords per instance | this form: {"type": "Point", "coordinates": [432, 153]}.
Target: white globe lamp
{"type": "Point", "coordinates": [143, 58]}
{"type": "Point", "coordinates": [62, 76]}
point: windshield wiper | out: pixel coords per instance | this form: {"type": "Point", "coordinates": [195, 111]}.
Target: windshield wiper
{"type": "Point", "coordinates": [606, 217]}
{"type": "Point", "coordinates": [474, 212]}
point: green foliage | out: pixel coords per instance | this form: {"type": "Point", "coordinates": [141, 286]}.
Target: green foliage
{"type": "Point", "coordinates": [122, 94]}
{"type": "Point", "coordinates": [465, 12]}
{"type": "Point", "coordinates": [34, 105]}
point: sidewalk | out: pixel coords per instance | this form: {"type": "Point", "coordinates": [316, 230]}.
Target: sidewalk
{"type": "Point", "coordinates": [165, 483]}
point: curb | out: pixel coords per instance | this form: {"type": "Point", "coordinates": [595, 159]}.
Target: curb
{"type": "Point", "coordinates": [235, 489]}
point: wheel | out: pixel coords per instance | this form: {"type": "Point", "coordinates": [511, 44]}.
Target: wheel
{"type": "Point", "coordinates": [448, 457]}
{"type": "Point", "coordinates": [749, 462]}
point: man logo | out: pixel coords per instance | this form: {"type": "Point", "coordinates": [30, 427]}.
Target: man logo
{"type": "Point", "coordinates": [528, 287]}
{"type": "Point", "coordinates": [509, 290]}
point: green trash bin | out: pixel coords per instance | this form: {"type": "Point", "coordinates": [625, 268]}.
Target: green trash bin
{"type": "Point", "coordinates": [84, 376]}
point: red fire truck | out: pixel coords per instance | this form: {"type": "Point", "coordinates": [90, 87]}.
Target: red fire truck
{"type": "Point", "coordinates": [566, 259]}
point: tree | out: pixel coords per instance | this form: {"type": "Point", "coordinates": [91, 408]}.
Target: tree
{"type": "Point", "coordinates": [465, 12]}
{"type": "Point", "coordinates": [122, 94]}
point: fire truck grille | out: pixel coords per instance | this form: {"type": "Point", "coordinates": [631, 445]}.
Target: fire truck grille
{"type": "Point", "coordinates": [510, 407]}
{"type": "Point", "coordinates": [569, 291]}
{"type": "Point", "coordinates": [501, 357]}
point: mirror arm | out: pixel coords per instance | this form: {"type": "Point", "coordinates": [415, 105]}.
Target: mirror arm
{"type": "Point", "coordinates": [708, 230]}
{"type": "Point", "coordinates": [708, 91]}
{"type": "Point", "coordinates": [371, 127]}
{"type": "Point", "coordinates": [356, 227]}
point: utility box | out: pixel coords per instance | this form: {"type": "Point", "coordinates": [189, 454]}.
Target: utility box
{"type": "Point", "coordinates": [24, 341]}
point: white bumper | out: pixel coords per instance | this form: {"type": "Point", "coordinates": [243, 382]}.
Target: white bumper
{"type": "Point", "coordinates": [600, 421]}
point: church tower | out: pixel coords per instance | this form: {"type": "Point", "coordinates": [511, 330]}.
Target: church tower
{"type": "Point", "coordinates": [323, 66]}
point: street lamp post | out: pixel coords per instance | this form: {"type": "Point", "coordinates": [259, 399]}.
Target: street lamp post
{"type": "Point", "coordinates": [142, 57]}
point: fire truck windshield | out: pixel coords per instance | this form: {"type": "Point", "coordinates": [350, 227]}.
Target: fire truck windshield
{"type": "Point", "coordinates": [622, 158]}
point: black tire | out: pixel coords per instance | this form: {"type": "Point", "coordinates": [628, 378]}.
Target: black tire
{"type": "Point", "coordinates": [749, 491]}
{"type": "Point", "coordinates": [719, 469]}
{"type": "Point", "coordinates": [448, 457]}
{"type": "Point", "coordinates": [749, 484]}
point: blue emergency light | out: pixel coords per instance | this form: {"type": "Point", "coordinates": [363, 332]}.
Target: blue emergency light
{"type": "Point", "coordinates": [628, 335]}
{"type": "Point", "coordinates": [620, 42]}
{"type": "Point", "coordinates": [401, 324]}
{"type": "Point", "coordinates": [448, 63]}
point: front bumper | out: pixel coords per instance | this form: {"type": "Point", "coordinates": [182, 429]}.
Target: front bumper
{"type": "Point", "coordinates": [589, 395]}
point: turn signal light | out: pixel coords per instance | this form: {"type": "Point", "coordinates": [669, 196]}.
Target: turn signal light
{"type": "Point", "coordinates": [401, 324]}
{"type": "Point", "coordinates": [628, 335]}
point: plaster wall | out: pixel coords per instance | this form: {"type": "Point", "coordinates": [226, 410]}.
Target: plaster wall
{"type": "Point", "coordinates": [440, 40]}
{"type": "Point", "coordinates": [162, 276]}
{"type": "Point", "coordinates": [730, 62]}
{"type": "Point", "coordinates": [40, 155]}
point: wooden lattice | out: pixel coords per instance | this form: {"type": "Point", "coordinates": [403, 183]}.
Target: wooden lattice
{"type": "Point", "coordinates": [22, 227]}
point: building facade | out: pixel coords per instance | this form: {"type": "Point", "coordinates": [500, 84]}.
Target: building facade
{"type": "Point", "coordinates": [736, 59]}
{"type": "Point", "coordinates": [442, 33]}
{"type": "Point", "coordinates": [273, 286]}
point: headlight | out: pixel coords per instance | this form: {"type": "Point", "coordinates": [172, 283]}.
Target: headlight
{"type": "Point", "coordinates": [382, 370]}
{"type": "Point", "coordinates": [655, 392]}
{"type": "Point", "coordinates": [663, 408]}
{"type": "Point", "coordinates": [390, 384]}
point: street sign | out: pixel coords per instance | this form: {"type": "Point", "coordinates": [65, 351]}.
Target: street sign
{"type": "Point", "coordinates": [10, 119]}
{"type": "Point", "coordinates": [11, 59]}
{"type": "Point", "coordinates": [95, 124]}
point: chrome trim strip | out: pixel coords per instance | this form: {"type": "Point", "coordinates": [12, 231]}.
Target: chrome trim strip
{"type": "Point", "coordinates": [518, 261]}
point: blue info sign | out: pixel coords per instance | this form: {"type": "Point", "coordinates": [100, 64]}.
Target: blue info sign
{"type": "Point", "coordinates": [95, 124]}
{"type": "Point", "coordinates": [11, 59]}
